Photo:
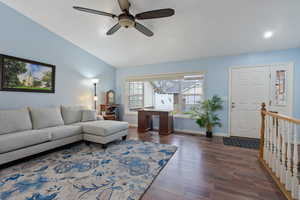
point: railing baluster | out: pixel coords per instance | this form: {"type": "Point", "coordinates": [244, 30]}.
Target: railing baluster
{"type": "Point", "coordinates": [267, 141]}
{"type": "Point", "coordinates": [283, 153]}
{"type": "Point", "coordinates": [270, 140]}
{"type": "Point", "coordinates": [289, 163]}
{"type": "Point", "coordinates": [280, 129]}
{"type": "Point", "coordinates": [266, 138]}
{"type": "Point", "coordinates": [278, 151]}
{"type": "Point", "coordinates": [286, 155]}
{"type": "Point", "coordinates": [295, 181]}
{"type": "Point", "coordinates": [274, 145]}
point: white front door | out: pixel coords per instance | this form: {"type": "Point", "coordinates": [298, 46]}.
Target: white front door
{"type": "Point", "coordinates": [250, 87]}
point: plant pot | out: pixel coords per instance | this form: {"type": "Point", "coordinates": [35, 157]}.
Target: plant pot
{"type": "Point", "coordinates": [209, 134]}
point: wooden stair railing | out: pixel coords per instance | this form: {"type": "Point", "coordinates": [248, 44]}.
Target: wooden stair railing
{"type": "Point", "coordinates": [279, 151]}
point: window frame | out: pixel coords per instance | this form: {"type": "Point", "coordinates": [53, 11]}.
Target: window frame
{"type": "Point", "coordinates": [136, 95]}
{"type": "Point", "coordinates": [170, 76]}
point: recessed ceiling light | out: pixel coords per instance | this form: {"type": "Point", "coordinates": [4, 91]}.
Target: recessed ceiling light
{"type": "Point", "coordinates": [268, 34]}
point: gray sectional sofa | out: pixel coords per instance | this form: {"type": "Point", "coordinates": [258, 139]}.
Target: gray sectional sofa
{"type": "Point", "coordinates": [29, 131]}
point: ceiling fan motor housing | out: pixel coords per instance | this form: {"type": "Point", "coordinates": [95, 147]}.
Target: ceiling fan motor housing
{"type": "Point", "coordinates": [126, 21]}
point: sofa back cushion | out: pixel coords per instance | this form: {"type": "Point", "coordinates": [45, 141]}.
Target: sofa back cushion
{"type": "Point", "coordinates": [89, 115]}
{"type": "Point", "coordinates": [71, 114]}
{"type": "Point", "coordinates": [14, 121]}
{"type": "Point", "coordinates": [46, 117]}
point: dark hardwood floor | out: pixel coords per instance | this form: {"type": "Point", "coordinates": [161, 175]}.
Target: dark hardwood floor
{"type": "Point", "coordinates": [205, 169]}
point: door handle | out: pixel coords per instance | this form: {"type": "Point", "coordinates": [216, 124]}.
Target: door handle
{"type": "Point", "coordinates": [232, 105]}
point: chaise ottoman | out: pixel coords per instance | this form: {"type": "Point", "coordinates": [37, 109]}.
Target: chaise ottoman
{"type": "Point", "coordinates": [104, 131]}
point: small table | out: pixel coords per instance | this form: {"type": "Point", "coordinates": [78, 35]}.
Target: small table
{"type": "Point", "coordinates": [165, 121]}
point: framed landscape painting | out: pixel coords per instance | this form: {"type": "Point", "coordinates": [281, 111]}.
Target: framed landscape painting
{"type": "Point", "coordinates": [21, 75]}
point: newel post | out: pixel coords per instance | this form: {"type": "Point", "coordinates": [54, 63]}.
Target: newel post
{"type": "Point", "coordinates": [262, 130]}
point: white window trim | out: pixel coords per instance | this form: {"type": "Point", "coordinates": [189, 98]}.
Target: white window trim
{"type": "Point", "coordinates": [163, 76]}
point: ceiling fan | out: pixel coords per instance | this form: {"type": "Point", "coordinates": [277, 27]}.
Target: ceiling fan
{"type": "Point", "coordinates": [127, 20]}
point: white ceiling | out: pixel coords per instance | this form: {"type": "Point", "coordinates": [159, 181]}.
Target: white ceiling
{"type": "Point", "coordinates": [200, 28]}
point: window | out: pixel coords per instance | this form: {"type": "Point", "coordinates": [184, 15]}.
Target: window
{"type": "Point", "coordinates": [280, 87]}
{"type": "Point", "coordinates": [192, 94]}
{"type": "Point", "coordinates": [136, 95]}
{"type": "Point", "coordinates": [178, 92]}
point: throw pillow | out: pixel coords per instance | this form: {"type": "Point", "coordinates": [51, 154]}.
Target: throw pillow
{"type": "Point", "coordinates": [89, 115]}
{"type": "Point", "coordinates": [71, 114]}
{"type": "Point", "coordinates": [46, 117]}
{"type": "Point", "coordinates": [14, 120]}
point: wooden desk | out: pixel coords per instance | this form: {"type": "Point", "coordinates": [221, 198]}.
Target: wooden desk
{"type": "Point", "coordinates": [165, 121]}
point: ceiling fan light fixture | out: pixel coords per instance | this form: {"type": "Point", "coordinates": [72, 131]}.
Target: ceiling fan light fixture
{"type": "Point", "coordinates": [126, 21]}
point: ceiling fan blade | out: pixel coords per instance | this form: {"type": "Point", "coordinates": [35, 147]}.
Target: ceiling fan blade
{"type": "Point", "coordinates": [143, 29]}
{"type": "Point", "coordinates": [114, 29]}
{"type": "Point", "coordinates": [97, 12]}
{"type": "Point", "coordinates": [124, 4]}
{"type": "Point", "coordinates": [156, 14]}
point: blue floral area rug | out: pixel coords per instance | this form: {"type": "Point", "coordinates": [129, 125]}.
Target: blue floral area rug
{"type": "Point", "coordinates": [123, 171]}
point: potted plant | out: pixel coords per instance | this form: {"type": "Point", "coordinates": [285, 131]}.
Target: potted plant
{"type": "Point", "coordinates": [205, 114]}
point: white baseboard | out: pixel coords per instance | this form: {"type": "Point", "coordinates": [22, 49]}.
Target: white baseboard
{"type": "Point", "coordinates": [186, 131]}
{"type": "Point", "coordinates": [199, 132]}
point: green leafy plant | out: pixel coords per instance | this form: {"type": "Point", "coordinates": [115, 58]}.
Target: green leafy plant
{"type": "Point", "coordinates": [205, 113]}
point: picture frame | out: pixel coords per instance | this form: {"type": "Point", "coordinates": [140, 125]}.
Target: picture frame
{"type": "Point", "coordinates": [23, 75]}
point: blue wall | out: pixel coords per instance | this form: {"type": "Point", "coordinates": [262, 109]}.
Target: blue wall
{"type": "Point", "coordinates": [217, 70]}
{"type": "Point", "coordinates": [21, 37]}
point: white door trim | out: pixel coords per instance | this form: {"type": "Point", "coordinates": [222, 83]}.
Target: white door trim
{"type": "Point", "coordinates": [290, 78]}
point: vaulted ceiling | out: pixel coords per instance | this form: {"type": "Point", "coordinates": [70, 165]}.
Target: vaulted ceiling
{"type": "Point", "coordinates": [200, 28]}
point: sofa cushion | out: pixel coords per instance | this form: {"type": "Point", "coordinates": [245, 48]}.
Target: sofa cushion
{"type": "Point", "coordinates": [18, 140]}
{"type": "Point", "coordinates": [14, 120]}
{"type": "Point", "coordinates": [104, 127]}
{"type": "Point", "coordinates": [46, 117]}
{"type": "Point", "coordinates": [59, 132]}
{"type": "Point", "coordinates": [89, 115]}
{"type": "Point", "coordinates": [71, 114]}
